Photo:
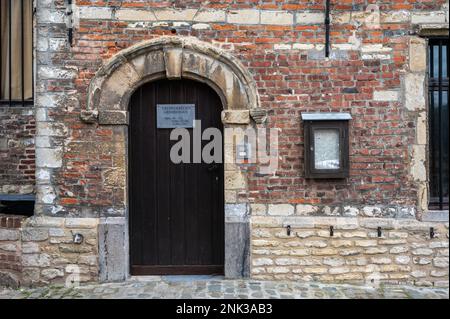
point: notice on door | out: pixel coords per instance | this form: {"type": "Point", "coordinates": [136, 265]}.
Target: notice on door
{"type": "Point", "coordinates": [175, 115]}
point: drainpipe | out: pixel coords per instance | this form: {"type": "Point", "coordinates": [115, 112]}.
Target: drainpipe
{"type": "Point", "coordinates": [327, 28]}
{"type": "Point", "coordinates": [69, 22]}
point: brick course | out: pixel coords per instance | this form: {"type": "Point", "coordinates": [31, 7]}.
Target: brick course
{"type": "Point", "coordinates": [285, 55]}
{"type": "Point", "coordinates": [17, 154]}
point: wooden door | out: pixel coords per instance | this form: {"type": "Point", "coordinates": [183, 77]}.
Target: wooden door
{"type": "Point", "coordinates": [176, 213]}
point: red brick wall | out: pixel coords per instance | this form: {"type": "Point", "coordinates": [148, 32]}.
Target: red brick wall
{"type": "Point", "coordinates": [17, 155]}
{"type": "Point", "coordinates": [289, 82]}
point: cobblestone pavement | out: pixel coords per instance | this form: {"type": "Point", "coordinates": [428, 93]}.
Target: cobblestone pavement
{"type": "Point", "coordinates": [190, 287]}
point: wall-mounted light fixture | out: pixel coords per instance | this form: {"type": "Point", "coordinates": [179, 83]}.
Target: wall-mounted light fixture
{"type": "Point", "coordinates": [326, 145]}
{"type": "Point", "coordinates": [243, 151]}
{"type": "Point", "coordinates": [78, 238]}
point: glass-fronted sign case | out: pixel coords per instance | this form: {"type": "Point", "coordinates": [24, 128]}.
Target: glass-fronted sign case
{"type": "Point", "coordinates": [326, 145]}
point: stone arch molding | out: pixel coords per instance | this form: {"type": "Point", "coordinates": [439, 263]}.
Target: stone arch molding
{"type": "Point", "coordinates": [171, 58]}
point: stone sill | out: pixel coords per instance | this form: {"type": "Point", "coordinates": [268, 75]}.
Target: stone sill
{"type": "Point", "coordinates": [435, 216]}
{"type": "Point", "coordinates": [430, 30]}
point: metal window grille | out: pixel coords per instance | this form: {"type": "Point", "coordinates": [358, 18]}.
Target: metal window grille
{"type": "Point", "coordinates": [438, 122]}
{"type": "Point", "coordinates": [16, 53]}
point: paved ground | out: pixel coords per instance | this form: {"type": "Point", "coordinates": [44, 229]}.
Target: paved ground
{"type": "Point", "coordinates": [188, 287]}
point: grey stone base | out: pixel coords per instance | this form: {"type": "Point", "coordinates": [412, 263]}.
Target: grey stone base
{"type": "Point", "coordinates": [113, 249]}
{"type": "Point", "coordinates": [237, 241]}
{"type": "Point", "coordinates": [237, 250]}
{"type": "Point", "coordinates": [114, 245]}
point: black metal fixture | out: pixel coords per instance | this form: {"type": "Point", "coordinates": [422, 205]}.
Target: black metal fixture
{"type": "Point", "coordinates": [379, 231]}
{"type": "Point", "coordinates": [438, 122]}
{"type": "Point", "coordinates": [288, 230]}
{"type": "Point", "coordinates": [78, 238]}
{"type": "Point", "coordinates": [12, 204]}
{"type": "Point", "coordinates": [69, 14]}
{"type": "Point", "coordinates": [431, 232]}
{"type": "Point", "coordinates": [331, 231]}
{"type": "Point", "coordinates": [327, 28]}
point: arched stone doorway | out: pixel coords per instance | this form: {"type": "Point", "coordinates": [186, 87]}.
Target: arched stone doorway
{"type": "Point", "coordinates": [108, 99]}
{"type": "Point", "coordinates": [176, 195]}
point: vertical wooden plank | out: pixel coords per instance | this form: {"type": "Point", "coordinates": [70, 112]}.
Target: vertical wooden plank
{"type": "Point", "coordinates": [177, 190]}
{"type": "Point", "coordinates": [147, 173]}
{"type": "Point", "coordinates": [163, 184]}
{"type": "Point", "coordinates": [204, 180]}
{"type": "Point", "coordinates": [191, 190]}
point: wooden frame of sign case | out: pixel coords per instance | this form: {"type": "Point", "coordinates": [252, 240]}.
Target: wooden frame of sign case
{"type": "Point", "coordinates": [310, 170]}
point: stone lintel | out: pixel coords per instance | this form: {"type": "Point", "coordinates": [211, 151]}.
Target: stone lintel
{"type": "Point", "coordinates": [433, 30]}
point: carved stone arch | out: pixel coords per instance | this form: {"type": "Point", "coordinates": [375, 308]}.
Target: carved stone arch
{"type": "Point", "coordinates": [171, 58]}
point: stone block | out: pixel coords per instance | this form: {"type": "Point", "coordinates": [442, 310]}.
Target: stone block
{"type": "Point", "coordinates": [81, 222]}
{"type": "Point", "coordinates": [414, 91]}
{"type": "Point", "coordinates": [9, 280]}
{"type": "Point", "coordinates": [175, 15]}
{"type": "Point", "coordinates": [391, 96]}
{"type": "Point", "coordinates": [173, 61]}
{"type": "Point", "coordinates": [210, 16]}
{"type": "Point", "coordinates": [333, 261]}
{"type": "Point", "coordinates": [236, 116]}
{"type": "Point", "coordinates": [309, 18]}
{"type": "Point", "coordinates": [52, 273]}
{"type": "Point", "coordinates": [237, 250]}
{"type": "Point", "coordinates": [431, 17]}
{"type": "Point", "coordinates": [243, 16]}
{"type": "Point", "coordinates": [258, 209]}
{"type": "Point", "coordinates": [281, 210]}
{"type": "Point", "coordinates": [49, 157]}
{"type": "Point", "coordinates": [400, 16]}
{"type": "Point", "coordinates": [315, 270]}
{"type": "Point", "coordinates": [305, 210]}
{"type": "Point", "coordinates": [440, 262]}
{"type": "Point", "coordinates": [299, 252]}
{"type": "Point", "coordinates": [30, 248]}
{"type": "Point", "coordinates": [113, 251]}
{"type": "Point", "coordinates": [366, 243]}
{"type": "Point", "coordinates": [34, 234]}
{"type": "Point", "coordinates": [93, 13]}
{"type": "Point", "coordinates": [9, 234]}
{"type": "Point", "coordinates": [422, 252]}
{"type": "Point", "coordinates": [236, 212]}
{"type": "Point", "coordinates": [276, 17]}
{"type": "Point", "coordinates": [113, 118]}
{"type": "Point", "coordinates": [375, 250]}
{"type": "Point", "coordinates": [399, 249]}
{"type": "Point", "coordinates": [36, 260]}
{"type": "Point", "coordinates": [381, 260]}
{"type": "Point", "coordinates": [135, 15]}
{"type": "Point", "coordinates": [234, 180]}
{"type": "Point", "coordinates": [417, 54]}
{"type": "Point", "coordinates": [262, 262]}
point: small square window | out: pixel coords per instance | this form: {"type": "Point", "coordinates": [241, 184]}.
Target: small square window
{"type": "Point", "coordinates": [326, 145]}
